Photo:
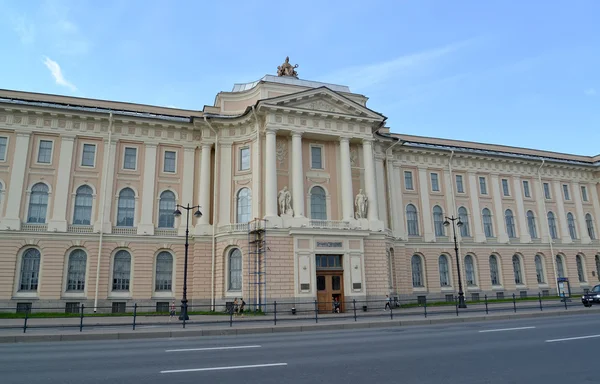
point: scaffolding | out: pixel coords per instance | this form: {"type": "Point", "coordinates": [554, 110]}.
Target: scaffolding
{"type": "Point", "coordinates": [257, 265]}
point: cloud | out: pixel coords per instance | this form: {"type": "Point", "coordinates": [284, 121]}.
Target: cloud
{"type": "Point", "coordinates": [590, 91]}
{"type": "Point", "coordinates": [23, 28]}
{"type": "Point", "coordinates": [57, 74]}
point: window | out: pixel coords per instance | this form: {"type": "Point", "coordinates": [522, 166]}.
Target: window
{"type": "Point", "coordinates": [412, 220]}
{"type": "Point", "coordinates": [316, 157]}
{"type": "Point", "coordinates": [598, 266]}
{"type": "Point", "coordinates": [547, 191]}
{"type": "Point", "coordinates": [318, 203]}
{"type": "Point", "coordinates": [505, 189]}
{"type": "Point", "coordinates": [571, 223]}
{"type": "Point", "coordinates": [30, 270]}
{"type": "Point", "coordinates": [244, 159]}
{"type": "Point", "coordinates": [460, 188]}
{"type": "Point", "coordinates": [482, 186]}
{"type": "Point", "coordinates": [82, 214]}
{"type": "Point", "coordinates": [328, 261]}
{"type": "Point", "coordinates": [470, 270]}
{"type": "Point", "coordinates": [88, 157]}
{"type": "Point", "coordinates": [438, 221]}
{"type": "Point", "coordinates": [164, 272]}
{"type": "Point", "coordinates": [417, 270]}
{"type": "Point", "coordinates": [560, 268]}
{"type": "Point", "coordinates": [552, 225]}
{"type": "Point", "coordinates": [510, 224]}
{"type": "Point", "coordinates": [235, 270]}
{"type": "Point", "coordinates": [170, 164]}
{"type": "Point", "coordinates": [566, 192]}
{"type": "Point", "coordinates": [76, 270]}
{"type": "Point", "coordinates": [539, 270]}
{"type": "Point", "coordinates": [464, 218]}
{"type": "Point", "coordinates": [408, 180]}
{"type": "Point", "coordinates": [45, 152]}
{"type": "Point", "coordinates": [494, 274]}
{"type": "Point", "coordinates": [517, 269]}
{"type": "Point", "coordinates": [580, 273]}
{"type": "Point", "coordinates": [3, 147]}
{"type": "Point", "coordinates": [244, 205]}
{"type": "Point", "coordinates": [584, 193]}
{"type": "Point", "coordinates": [130, 158]}
{"type": "Point", "coordinates": [38, 204]}
{"type": "Point", "coordinates": [589, 223]}
{"type": "Point", "coordinates": [435, 184]}
{"type": "Point", "coordinates": [126, 208]}
{"type": "Point", "coordinates": [488, 227]}
{"type": "Point", "coordinates": [444, 275]}
{"type": "Point", "coordinates": [121, 271]}
{"type": "Point", "coordinates": [166, 207]}
{"type": "Point", "coordinates": [526, 190]}
{"type": "Point", "coordinates": [531, 225]}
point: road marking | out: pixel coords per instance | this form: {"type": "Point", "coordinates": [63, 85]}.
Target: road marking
{"type": "Point", "coordinates": [505, 329]}
{"type": "Point", "coordinates": [212, 349]}
{"type": "Point", "coordinates": [225, 368]}
{"type": "Point", "coordinates": [572, 338]}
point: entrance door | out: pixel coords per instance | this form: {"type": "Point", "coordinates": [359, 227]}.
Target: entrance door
{"type": "Point", "coordinates": [330, 287]}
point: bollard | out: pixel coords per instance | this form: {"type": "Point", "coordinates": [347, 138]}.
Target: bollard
{"type": "Point", "coordinates": [565, 299]}
{"type": "Point", "coordinates": [540, 299]}
{"type": "Point", "coordinates": [456, 303]}
{"type": "Point", "coordinates": [25, 323]}
{"type": "Point", "coordinates": [231, 317]}
{"type": "Point", "coordinates": [391, 312]}
{"type": "Point", "coordinates": [316, 312]}
{"type": "Point", "coordinates": [81, 319]}
{"type": "Point", "coordinates": [354, 305]}
{"type": "Point", "coordinates": [275, 312]}
{"type": "Point", "coordinates": [515, 302]}
{"type": "Point", "coordinates": [486, 305]}
{"type": "Point", "coordinates": [134, 314]}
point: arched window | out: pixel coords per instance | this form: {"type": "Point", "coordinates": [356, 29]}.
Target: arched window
{"type": "Point", "coordinates": [76, 270]}
{"type": "Point", "coordinates": [517, 269]}
{"type": "Point", "coordinates": [470, 270]}
{"type": "Point", "coordinates": [126, 208]}
{"type": "Point", "coordinates": [589, 223]}
{"type": "Point", "coordinates": [121, 271]}
{"type": "Point", "coordinates": [166, 207]}
{"type": "Point", "coordinates": [494, 271]}
{"type": "Point", "coordinates": [412, 220]}
{"type": "Point", "coordinates": [464, 218]}
{"type": "Point", "coordinates": [539, 270]}
{"type": "Point", "coordinates": [164, 272]}
{"type": "Point", "coordinates": [560, 268]}
{"type": "Point", "coordinates": [235, 270]}
{"type": "Point", "coordinates": [438, 221]}
{"type": "Point", "coordinates": [571, 223]}
{"type": "Point", "coordinates": [552, 225]}
{"type": "Point", "coordinates": [488, 227]}
{"type": "Point", "coordinates": [318, 203]}
{"type": "Point", "coordinates": [444, 273]}
{"type": "Point", "coordinates": [417, 270]}
{"type": "Point", "coordinates": [82, 214]}
{"type": "Point", "coordinates": [580, 270]}
{"type": "Point", "coordinates": [244, 205]}
{"type": "Point", "coordinates": [38, 204]}
{"type": "Point", "coordinates": [531, 224]}
{"type": "Point", "coordinates": [510, 224]}
{"type": "Point", "coordinates": [30, 270]}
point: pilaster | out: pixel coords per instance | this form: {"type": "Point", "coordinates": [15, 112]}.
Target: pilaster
{"type": "Point", "coordinates": [475, 208]}
{"type": "Point", "coordinates": [426, 214]}
{"type": "Point", "coordinates": [524, 235]}
{"type": "Point", "coordinates": [146, 225]}
{"type": "Point", "coordinates": [12, 218]}
{"type": "Point", "coordinates": [58, 223]}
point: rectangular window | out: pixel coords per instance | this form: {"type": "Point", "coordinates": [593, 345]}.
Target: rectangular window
{"type": "Point", "coordinates": [130, 158]}
{"type": "Point", "coordinates": [460, 188]}
{"type": "Point", "coordinates": [505, 189]}
{"type": "Point", "coordinates": [482, 186]}
{"type": "Point", "coordinates": [435, 184]}
{"type": "Point", "coordinates": [316, 157]}
{"type": "Point", "coordinates": [45, 152]}
{"type": "Point", "coordinates": [3, 143]}
{"type": "Point", "coordinates": [584, 193]}
{"type": "Point", "coordinates": [244, 159]}
{"type": "Point", "coordinates": [566, 192]}
{"type": "Point", "coordinates": [408, 180]}
{"type": "Point", "coordinates": [547, 191]}
{"type": "Point", "coordinates": [526, 188]}
{"type": "Point", "coordinates": [170, 160]}
{"type": "Point", "coordinates": [89, 155]}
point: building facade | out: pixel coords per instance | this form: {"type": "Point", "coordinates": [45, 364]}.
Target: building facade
{"type": "Point", "coordinates": [304, 194]}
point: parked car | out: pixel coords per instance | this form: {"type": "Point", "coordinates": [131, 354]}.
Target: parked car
{"type": "Point", "coordinates": [591, 297]}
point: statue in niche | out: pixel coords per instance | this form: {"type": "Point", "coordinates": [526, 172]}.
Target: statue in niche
{"type": "Point", "coordinates": [284, 197]}
{"type": "Point", "coordinates": [287, 69]}
{"type": "Point", "coordinates": [360, 205]}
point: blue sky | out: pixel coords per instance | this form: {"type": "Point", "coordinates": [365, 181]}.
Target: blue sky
{"type": "Point", "coordinates": [521, 73]}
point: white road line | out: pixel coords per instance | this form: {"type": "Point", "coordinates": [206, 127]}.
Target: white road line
{"type": "Point", "coordinates": [573, 338]}
{"type": "Point", "coordinates": [225, 368]}
{"type": "Point", "coordinates": [505, 329]}
{"type": "Point", "coordinates": [213, 349]}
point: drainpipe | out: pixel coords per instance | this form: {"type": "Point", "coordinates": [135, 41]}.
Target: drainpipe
{"type": "Point", "coordinates": [105, 181]}
{"type": "Point", "coordinates": [546, 219]}
{"type": "Point", "coordinates": [214, 226]}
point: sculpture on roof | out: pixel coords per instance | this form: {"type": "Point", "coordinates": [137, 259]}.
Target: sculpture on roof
{"type": "Point", "coordinates": [287, 69]}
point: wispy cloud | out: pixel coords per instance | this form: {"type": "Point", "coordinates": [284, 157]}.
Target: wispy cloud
{"type": "Point", "coordinates": [57, 74]}
{"type": "Point", "coordinates": [66, 36]}
{"type": "Point", "coordinates": [24, 28]}
{"type": "Point", "coordinates": [590, 92]}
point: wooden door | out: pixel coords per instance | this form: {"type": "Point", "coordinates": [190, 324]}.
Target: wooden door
{"type": "Point", "coordinates": [330, 286]}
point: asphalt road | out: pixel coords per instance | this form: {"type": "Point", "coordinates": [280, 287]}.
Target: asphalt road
{"type": "Point", "coordinates": [546, 350]}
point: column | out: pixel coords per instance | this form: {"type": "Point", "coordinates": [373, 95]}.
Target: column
{"type": "Point", "coordinates": [381, 191]}
{"type": "Point", "coordinates": [479, 236]}
{"type": "Point", "coordinates": [583, 233]}
{"type": "Point", "coordinates": [521, 214]}
{"type": "Point", "coordinates": [12, 219]}
{"type": "Point", "coordinates": [561, 215]}
{"type": "Point", "coordinates": [109, 158]}
{"type": "Point", "coordinates": [501, 235]}
{"type": "Point", "coordinates": [370, 182]}
{"type": "Point", "coordinates": [256, 183]}
{"type": "Point", "coordinates": [426, 213]}
{"type": "Point", "coordinates": [270, 173]}
{"type": "Point", "coordinates": [297, 175]}
{"type": "Point", "coordinates": [449, 194]}
{"type": "Point", "coordinates": [58, 223]}
{"type": "Point", "coordinates": [148, 207]}
{"type": "Point", "coordinates": [204, 185]}
{"type": "Point", "coordinates": [225, 179]}
{"type": "Point", "coordinates": [596, 202]}
{"type": "Point", "coordinates": [187, 184]}
{"type": "Point", "coordinates": [346, 175]}
{"type": "Point", "coordinates": [542, 214]}
{"type": "Point", "coordinates": [398, 203]}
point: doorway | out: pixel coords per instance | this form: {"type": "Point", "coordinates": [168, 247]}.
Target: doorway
{"type": "Point", "coordinates": [330, 283]}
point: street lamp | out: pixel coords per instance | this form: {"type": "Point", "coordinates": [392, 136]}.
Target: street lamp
{"type": "Point", "coordinates": [184, 307]}
{"type": "Point", "coordinates": [461, 294]}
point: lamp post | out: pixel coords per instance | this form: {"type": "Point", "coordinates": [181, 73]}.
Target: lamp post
{"type": "Point", "coordinates": [461, 294]}
{"type": "Point", "coordinates": [184, 307]}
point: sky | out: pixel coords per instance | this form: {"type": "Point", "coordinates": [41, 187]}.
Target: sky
{"type": "Point", "coordinates": [510, 72]}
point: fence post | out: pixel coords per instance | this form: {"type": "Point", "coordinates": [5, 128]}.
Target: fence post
{"type": "Point", "coordinates": [134, 314]}
{"type": "Point", "coordinates": [316, 312]}
{"type": "Point", "coordinates": [231, 316]}
{"type": "Point", "coordinates": [81, 319]}
{"type": "Point", "coordinates": [391, 311]}
{"type": "Point", "coordinates": [275, 311]}
{"type": "Point", "coordinates": [456, 304]}
{"type": "Point", "coordinates": [25, 323]}
{"type": "Point", "coordinates": [425, 307]}
{"type": "Point", "coordinates": [565, 299]}
{"type": "Point", "coordinates": [540, 298]}
{"type": "Point", "coordinates": [354, 305]}
{"type": "Point", "coordinates": [486, 305]}
{"type": "Point", "coordinates": [515, 302]}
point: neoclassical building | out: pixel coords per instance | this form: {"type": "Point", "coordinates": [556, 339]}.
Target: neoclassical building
{"type": "Point", "coordinates": [304, 195]}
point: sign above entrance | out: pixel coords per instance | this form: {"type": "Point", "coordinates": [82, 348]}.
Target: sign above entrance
{"type": "Point", "coordinates": [330, 244]}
